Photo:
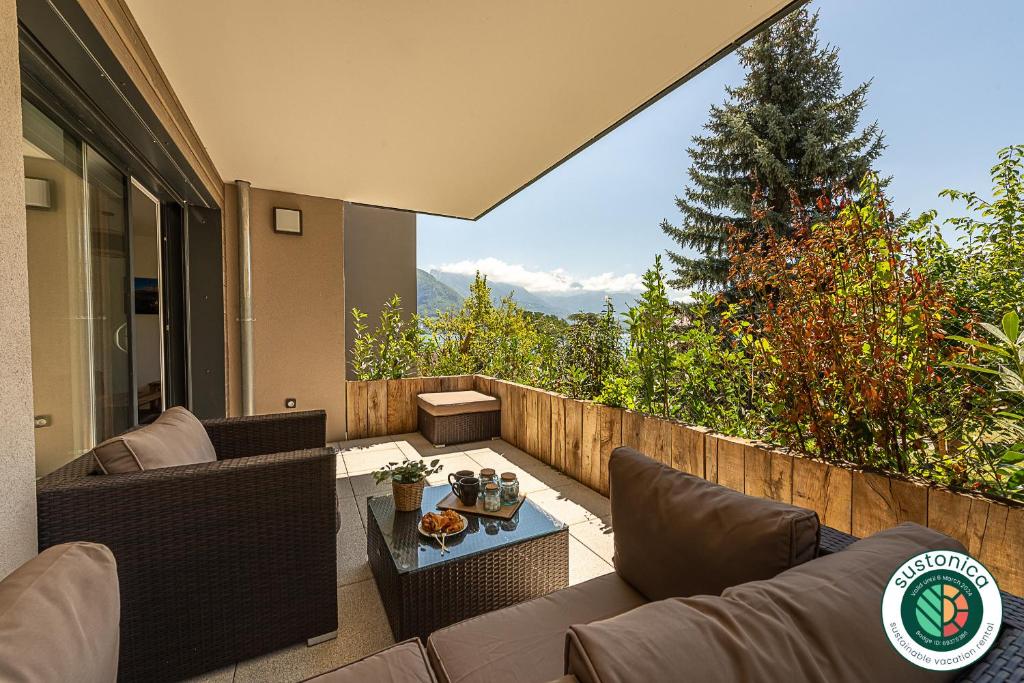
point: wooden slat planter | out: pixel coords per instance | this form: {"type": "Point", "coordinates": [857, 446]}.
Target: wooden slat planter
{"type": "Point", "coordinates": [577, 438]}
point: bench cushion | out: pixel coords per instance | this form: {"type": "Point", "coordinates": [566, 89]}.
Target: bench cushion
{"type": "Point", "coordinates": [816, 622]}
{"type": "Point", "coordinates": [60, 616]}
{"type": "Point", "coordinates": [405, 662]}
{"type": "Point", "coordinates": [177, 437]}
{"type": "Point", "coordinates": [525, 642]}
{"type": "Point", "coordinates": [677, 535]}
{"type": "Point", "coordinates": [457, 403]}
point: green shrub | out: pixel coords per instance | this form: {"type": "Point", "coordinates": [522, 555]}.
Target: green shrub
{"type": "Point", "coordinates": [390, 350]}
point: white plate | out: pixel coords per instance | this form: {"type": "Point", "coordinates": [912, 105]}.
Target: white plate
{"type": "Point", "coordinates": [436, 537]}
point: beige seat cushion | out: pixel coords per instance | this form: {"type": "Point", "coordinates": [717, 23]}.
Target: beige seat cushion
{"type": "Point", "coordinates": [405, 662]}
{"type": "Point", "coordinates": [177, 437]}
{"type": "Point", "coordinates": [457, 403]}
{"type": "Point", "coordinates": [525, 642]}
{"type": "Point", "coordinates": [60, 617]}
{"type": "Point", "coordinates": [816, 622]}
{"type": "Point", "coordinates": [677, 535]}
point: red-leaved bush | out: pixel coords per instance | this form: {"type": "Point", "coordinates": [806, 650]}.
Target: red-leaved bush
{"type": "Point", "coordinates": [848, 330]}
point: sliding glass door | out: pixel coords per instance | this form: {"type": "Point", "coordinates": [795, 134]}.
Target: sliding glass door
{"type": "Point", "coordinates": [94, 294]}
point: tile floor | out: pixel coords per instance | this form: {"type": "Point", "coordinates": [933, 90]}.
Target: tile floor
{"type": "Point", "coordinates": [363, 627]}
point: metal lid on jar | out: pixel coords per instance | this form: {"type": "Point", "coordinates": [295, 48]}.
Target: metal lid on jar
{"type": "Point", "coordinates": [487, 472]}
{"type": "Point", "coordinates": [508, 476]}
{"type": "Point", "coordinates": [490, 487]}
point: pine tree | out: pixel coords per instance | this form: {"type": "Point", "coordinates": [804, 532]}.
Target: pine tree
{"type": "Point", "coordinates": [788, 128]}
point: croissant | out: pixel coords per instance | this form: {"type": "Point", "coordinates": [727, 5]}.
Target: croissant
{"type": "Point", "coordinates": [447, 522]}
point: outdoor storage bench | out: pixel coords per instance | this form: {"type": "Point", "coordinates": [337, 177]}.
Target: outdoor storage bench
{"type": "Point", "coordinates": [451, 417]}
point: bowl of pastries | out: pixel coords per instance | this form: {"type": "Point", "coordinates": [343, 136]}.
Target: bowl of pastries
{"type": "Point", "coordinates": [442, 524]}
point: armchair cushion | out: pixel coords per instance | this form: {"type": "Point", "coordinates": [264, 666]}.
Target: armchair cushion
{"type": "Point", "coordinates": [177, 437]}
{"type": "Point", "coordinates": [60, 615]}
{"type": "Point", "coordinates": [816, 622]}
{"type": "Point", "coordinates": [677, 535]}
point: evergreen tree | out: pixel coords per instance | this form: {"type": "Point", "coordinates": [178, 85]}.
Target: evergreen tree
{"type": "Point", "coordinates": [788, 128]}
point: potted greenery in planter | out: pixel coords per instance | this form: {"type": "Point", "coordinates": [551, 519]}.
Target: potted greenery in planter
{"type": "Point", "coordinates": [407, 481]}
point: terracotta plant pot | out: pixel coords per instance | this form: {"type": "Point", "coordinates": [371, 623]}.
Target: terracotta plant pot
{"type": "Point", "coordinates": [408, 497]}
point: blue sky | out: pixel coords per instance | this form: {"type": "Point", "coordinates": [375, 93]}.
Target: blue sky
{"type": "Point", "coordinates": [948, 91]}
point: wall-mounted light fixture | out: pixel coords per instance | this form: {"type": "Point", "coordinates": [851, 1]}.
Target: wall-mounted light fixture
{"type": "Point", "coordinates": [287, 221]}
{"type": "Point", "coordinates": [37, 193]}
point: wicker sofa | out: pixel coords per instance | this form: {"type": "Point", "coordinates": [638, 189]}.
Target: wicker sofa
{"type": "Point", "coordinates": [615, 627]}
{"type": "Point", "coordinates": [220, 561]}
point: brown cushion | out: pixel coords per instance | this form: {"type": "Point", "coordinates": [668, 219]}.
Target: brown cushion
{"type": "Point", "coordinates": [405, 662]}
{"type": "Point", "coordinates": [457, 403]}
{"type": "Point", "coordinates": [177, 437]}
{"type": "Point", "coordinates": [60, 617]}
{"type": "Point", "coordinates": [677, 535]}
{"type": "Point", "coordinates": [525, 642]}
{"type": "Point", "coordinates": [820, 621]}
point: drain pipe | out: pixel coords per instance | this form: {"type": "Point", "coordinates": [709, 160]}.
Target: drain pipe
{"type": "Point", "coordinates": [245, 316]}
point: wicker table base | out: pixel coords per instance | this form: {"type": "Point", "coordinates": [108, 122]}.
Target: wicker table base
{"type": "Point", "coordinates": [502, 572]}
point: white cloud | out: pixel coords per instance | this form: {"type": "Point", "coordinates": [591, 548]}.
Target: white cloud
{"type": "Point", "coordinates": [544, 281]}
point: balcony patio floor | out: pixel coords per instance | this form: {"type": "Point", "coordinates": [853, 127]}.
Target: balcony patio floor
{"type": "Point", "coordinates": [363, 627]}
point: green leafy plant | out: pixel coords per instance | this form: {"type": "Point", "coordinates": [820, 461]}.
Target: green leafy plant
{"type": "Point", "coordinates": [409, 472]}
{"type": "Point", "coordinates": [390, 350]}
{"type": "Point", "coordinates": [580, 356]}
{"type": "Point", "coordinates": [996, 441]}
{"type": "Point", "coordinates": [500, 341]}
{"type": "Point", "coordinates": [988, 272]}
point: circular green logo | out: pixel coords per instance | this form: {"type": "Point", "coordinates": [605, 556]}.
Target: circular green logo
{"type": "Point", "coordinates": [941, 610]}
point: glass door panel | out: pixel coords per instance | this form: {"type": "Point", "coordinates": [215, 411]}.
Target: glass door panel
{"type": "Point", "coordinates": [77, 268]}
{"type": "Point", "coordinates": [108, 281]}
{"type": "Point", "coordinates": [147, 318]}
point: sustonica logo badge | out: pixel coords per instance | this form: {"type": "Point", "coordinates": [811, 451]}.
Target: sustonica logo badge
{"type": "Point", "coordinates": [941, 610]}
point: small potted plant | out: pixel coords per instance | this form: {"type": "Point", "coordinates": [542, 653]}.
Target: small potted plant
{"type": "Point", "coordinates": [407, 481]}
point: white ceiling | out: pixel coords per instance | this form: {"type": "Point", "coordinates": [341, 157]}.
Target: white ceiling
{"type": "Point", "coordinates": [444, 107]}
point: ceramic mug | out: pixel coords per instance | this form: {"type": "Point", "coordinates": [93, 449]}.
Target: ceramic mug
{"type": "Point", "coordinates": [467, 489]}
{"type": "Point", "coordinates": [461, 474]}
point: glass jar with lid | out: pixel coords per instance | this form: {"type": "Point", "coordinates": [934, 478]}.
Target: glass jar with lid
{"type": "Point", "coordinates": [491, 497]}
{"type": "Point", "coordinates": [487, 476]}
{"type": "Point", "coordinates": [509, 488]}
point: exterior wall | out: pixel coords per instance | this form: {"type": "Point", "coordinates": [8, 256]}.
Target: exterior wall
{"type": "Point", "coordinates": [380, 261]}
{"type": "Point", "coordinates": [299, 301]}
{"type": "Point", "coordinates": [17, 456]}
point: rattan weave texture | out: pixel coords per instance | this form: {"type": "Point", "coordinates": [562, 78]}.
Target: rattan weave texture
{"type": "Point", "coordinates": [217, 562]}
{"type": "Point", "coordinates": [452, 429]}
{"type": "Point", "coordinates": [489, 576]}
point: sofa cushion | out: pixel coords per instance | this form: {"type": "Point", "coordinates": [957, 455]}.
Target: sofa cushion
{"type": "Point", "coordinates": [405, 662]}
{"type": "Point", "coordinates": [525, 642]}
{"type": "Point", "coordinates": [457, 403]}
{"type": "Point", "coordinates": [677, 535]}
{"type": "Point", "coordinates": [177, 437]}
{"type": "Point", "coordinates": [820, 621]}
{"type": "Point", "coordinates": [60, 616]}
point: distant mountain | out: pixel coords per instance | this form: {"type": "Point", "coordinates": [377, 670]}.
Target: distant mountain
{"type": "Point", "coordinates": [433, 295]}
{"type": "Point", "coordinates": [530, 301]}
{"type": "Point", "coordinates": [561, 304]}
{"type": "Point", "coordinates": [590, 301]}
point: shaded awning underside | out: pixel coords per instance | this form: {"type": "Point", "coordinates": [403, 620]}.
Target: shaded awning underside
{"type": "Point", "coordinates": [441, 107]}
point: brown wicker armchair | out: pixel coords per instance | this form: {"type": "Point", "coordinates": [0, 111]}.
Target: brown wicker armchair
{"type": "Point", "coordinates": [218, 562]}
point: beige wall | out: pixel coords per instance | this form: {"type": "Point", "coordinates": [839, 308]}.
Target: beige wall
{"type": "Point", "coordinates": [380, 261]}
{"type": "Point", "coordinates": [299, 303]}
{"type": "Point", "coordinates": [17, 454]}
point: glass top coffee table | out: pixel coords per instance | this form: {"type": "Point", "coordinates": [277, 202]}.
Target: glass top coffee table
{"type": "Point", "coordinates": [492, 564]}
